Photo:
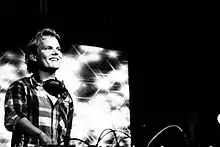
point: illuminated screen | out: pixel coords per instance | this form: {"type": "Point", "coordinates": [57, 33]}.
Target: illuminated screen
{"type": "Point", "coordinates": [97, 79]}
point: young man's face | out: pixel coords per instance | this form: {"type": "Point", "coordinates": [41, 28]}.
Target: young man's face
{"type": "Point", "coordinates": [49, 53]}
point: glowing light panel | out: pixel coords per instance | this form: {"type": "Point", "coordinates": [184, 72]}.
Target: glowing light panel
{"type": "Point", "coordinates": [98, 82]}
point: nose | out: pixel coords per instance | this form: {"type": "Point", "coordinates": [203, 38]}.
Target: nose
{"type": "Point", "coordinates": [55, 51]}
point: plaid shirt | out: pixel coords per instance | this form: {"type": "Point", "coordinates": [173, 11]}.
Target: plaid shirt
{"type": "Point", "coordinates": [27, 98]}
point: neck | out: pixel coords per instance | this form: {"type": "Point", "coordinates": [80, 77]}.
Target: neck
{"type": "Point", "coordinates": [44, 75]}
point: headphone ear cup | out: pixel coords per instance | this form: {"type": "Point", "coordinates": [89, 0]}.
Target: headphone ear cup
{"type": "Point", "coordinates": [54, 87]}
{"type": "Point", "coordinates": [63, 86]}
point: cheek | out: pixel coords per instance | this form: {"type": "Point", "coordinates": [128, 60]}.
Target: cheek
{"type": "Point", "coordinates": [61, 55]}
{"type": "Point", "coordinates": [42, 58]}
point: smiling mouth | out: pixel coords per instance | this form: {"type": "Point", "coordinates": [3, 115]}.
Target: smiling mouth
{"type": "Point", "coordinates": [54, 59]}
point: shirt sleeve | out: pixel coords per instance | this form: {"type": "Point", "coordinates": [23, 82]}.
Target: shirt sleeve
{"type": "Point", "coordinates": [15, 105]}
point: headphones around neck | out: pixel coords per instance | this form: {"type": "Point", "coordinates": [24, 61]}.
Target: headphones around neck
{"type": "Point", "coordinates": [55, 88]}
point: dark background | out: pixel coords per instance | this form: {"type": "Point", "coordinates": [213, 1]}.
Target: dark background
{"type": "Point", "coordinates": [217, 48]}
{"type": "Point", "coordinates": [168, 79]}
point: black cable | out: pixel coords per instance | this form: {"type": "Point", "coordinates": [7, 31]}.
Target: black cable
{"type": "Point", "coordinates": [115, 136]}
{"type": "Point", "coordinates": [123, 133]}
{"type": "Point", "coordinates": [123, 139]}
{"type": "Point", "coordinates": [111, 131]}
{"type": "Point", "coordinates": [78, 140]}
{"type": "Point", "coordinates": [102, 136]}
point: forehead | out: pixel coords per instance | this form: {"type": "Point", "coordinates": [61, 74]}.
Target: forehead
{"type": "Point", "coordinates": [48, 41]}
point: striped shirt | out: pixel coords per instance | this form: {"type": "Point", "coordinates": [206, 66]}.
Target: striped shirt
{"type": "Point", "coordinates": [53, 115]}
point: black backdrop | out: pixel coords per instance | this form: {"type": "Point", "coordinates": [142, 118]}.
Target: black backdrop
{"type": "Point", "coordinates": [167, 82]}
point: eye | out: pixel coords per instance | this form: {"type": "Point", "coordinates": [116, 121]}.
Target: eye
{"type": "Point", "coordinates": [59, 48]}
{"type": "Point", "coordinates": [47, 48]}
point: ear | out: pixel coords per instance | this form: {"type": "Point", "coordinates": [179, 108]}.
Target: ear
{"type": "Point", "coordinates": [33, 57]}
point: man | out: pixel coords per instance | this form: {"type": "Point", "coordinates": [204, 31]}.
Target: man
{"type": "Point", "coordinates": [39, 109]}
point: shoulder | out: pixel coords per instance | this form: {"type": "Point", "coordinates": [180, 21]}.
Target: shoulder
{"type": "Point", "coordinates": [22, 82]}
{"type": "Point", "coordinates": [17, 89]}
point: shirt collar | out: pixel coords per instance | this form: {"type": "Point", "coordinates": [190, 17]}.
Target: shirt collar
{"type": "Point", "coordinates": [36, 83]}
